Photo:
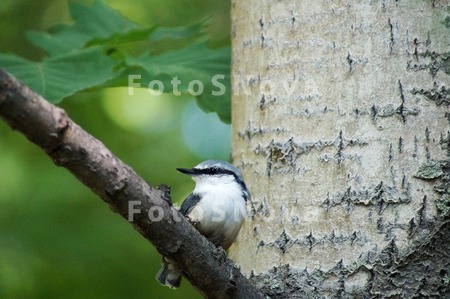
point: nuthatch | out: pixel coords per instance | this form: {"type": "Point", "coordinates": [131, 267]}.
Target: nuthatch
{"type": "Point", "coordinates": [216, 207]}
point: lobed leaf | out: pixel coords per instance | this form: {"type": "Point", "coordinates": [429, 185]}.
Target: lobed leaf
{"type": "Point", "coordinates": [87, 54]}
{"type": "Point", "coordinates": [58, 77]}
{"type": "Point", "coordinates": [96, 22]}
{"type": "Point", "coordinates": [194, 62]}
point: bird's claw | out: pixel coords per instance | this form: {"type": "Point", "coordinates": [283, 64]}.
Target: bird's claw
{"type": "Point", "coordinates": [196, 224]}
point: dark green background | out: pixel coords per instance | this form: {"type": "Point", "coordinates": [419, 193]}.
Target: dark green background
{"type": "Point", "coordinates": [57, 239]}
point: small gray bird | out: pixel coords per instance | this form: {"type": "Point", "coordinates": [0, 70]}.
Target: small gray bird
{"type": "Point", "coordinates": [216, 207]}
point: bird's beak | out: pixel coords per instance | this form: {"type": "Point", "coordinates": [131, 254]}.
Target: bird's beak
{"type": "Point", "coordinates": [188, 171]}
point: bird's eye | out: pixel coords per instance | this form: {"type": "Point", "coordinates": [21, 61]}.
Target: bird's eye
{"type": "Point", "coordinates": [215, 170]}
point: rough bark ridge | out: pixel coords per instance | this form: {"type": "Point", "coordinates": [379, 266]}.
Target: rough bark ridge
{"type": "Point", "coordinates": [341, 118]}
{"type": "Point", "coordinates": [118, 185]}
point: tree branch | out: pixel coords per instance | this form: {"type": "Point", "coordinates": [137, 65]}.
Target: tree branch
{"type": "Point", "coordinates": [117, 184]}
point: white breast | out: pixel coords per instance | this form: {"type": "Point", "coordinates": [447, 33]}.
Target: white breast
{"type": "Point", "coordinates": [221, 210]}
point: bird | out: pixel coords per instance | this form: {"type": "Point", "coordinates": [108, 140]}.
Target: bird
{"type": "Point", "coordinates": [216, 207]}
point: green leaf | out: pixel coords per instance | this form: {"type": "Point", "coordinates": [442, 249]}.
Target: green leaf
{"type": "Point", "coordinates": [87, 54]}
{"type": "Point", "coordinates": [195, 62]}
{"type": "Point", "coordinates": [184, 32]}
{"type": "Point", "coordinates": [92, 23]}
{"type": "Point", "coordinates": [58, 77]}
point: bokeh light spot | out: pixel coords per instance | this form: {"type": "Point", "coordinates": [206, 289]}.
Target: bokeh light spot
{"type": "Point", "coordinates": [205, 134]}
{"type": "Point", "coordinates": [140, 111]}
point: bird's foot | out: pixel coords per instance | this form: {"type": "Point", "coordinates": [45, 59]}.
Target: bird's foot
{"type": "Point", "coordinates": [196, 224]}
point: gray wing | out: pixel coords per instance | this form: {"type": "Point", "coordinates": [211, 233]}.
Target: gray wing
{"type": "Point", "coordinates": [189, 203]}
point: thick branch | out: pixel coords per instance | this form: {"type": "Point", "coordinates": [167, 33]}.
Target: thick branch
{"type": "Point", "coordinates": [116, 183]}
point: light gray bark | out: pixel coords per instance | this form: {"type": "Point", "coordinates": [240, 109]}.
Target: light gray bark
{"type": "Point", "coordinates": [341, 126]}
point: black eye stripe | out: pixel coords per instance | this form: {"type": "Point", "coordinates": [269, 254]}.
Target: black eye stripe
{"type": "Point", "coordinates": [221, 171]}
{"type": "Point", "coordinates": [215, 171]}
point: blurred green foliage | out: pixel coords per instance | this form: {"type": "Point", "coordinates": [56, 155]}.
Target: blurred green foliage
{"type": "Point", "coordinates": [57, 239]}
{"type": "Point", "coordinates": [96, 49]}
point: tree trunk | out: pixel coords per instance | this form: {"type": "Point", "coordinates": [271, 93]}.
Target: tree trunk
{"type": "Point", "coordinates": [341, 127]}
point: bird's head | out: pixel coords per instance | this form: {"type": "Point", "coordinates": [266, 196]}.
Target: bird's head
{"type": "Point", "coordinates": [214, 172]}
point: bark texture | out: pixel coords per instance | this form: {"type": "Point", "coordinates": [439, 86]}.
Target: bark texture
{"type": "Point", "coordinates": [341, 125]}
{"type": "Point", "coordinates": [117, 184]}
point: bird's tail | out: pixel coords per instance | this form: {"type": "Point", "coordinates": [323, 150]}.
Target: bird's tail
{"type": "Point", "coordinates": [169, 276]}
